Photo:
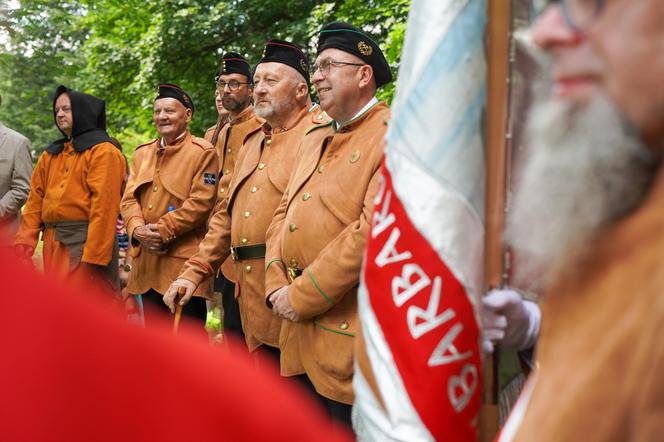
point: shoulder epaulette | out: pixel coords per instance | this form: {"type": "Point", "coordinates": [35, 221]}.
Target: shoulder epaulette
{"type": "Point", "coordinates": [202, 143]}
{"type": "Point", "coordinates": [148, 143]}
{"type": "Point", "coordinates": [320, 118]}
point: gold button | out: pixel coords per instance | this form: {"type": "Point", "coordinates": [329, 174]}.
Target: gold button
{"type": "Point", "coordinates": [254, 189]}
{"type": "Point", "coordinates": [261, 166]}
{"type": "Point", "coordinates": [268, 142]}
{"type": "Point", "coordinates": [229, 150]}
{"type": "Point", "coordinates": [248, 269]}
{"type": "Point", "coordinates": [321, 168]}
{"type": "Point", "coordinates": [155, 188]}
{"type": "Point", "coordinates": [244, 240]}
{"type": "Point", "coordinates": [246, 214]}
{"type": "Point", "coordinates": [149, 206]}
{"type": "Point", "coordinates": [222, 190]}
{"type": "Point", "coordinates": [292, 227]}
{"type": "Point", "coordinates": [228, 171]}
{"type": "Point", "coordinates": [306, 196]}
{"type": "Point", "coordinates": [343, 325]}
{"type": "Point", "coordinates": [355, 156]}
{"type": "Point", "coordinates": [293, 262]}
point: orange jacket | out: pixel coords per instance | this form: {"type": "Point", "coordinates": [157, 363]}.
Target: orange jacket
{"type": "Point", "coordinates": [77, 186]}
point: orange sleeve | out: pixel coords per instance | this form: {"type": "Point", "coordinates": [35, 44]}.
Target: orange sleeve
{"type": "Point", "coordinates": [31, 222]}
{"type": "Point", "coordinates": [105, 178]}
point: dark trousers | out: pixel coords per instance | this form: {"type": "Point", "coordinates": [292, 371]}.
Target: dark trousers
{"type": "Point", "coordinates": [339, 412]}
{"type": "Point", "coordinates": [232, 323]}
{"type": "Point", "coordinates": [156, 310]}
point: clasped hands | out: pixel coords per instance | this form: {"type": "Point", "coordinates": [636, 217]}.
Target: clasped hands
{"type": "Point", "coordinates": [281, 305]}
{"type": "Point", "coordinates": [150, 238]}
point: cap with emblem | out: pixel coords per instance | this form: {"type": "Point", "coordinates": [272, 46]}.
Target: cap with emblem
{"type": "Point", "coordinates": [347, 38]}
{"type": "Point", "coordinates": [281, 51]}
{"type": "Point", "coordinates": [168, 90]}
{"type": "Point", "coordinates": [233, 63]}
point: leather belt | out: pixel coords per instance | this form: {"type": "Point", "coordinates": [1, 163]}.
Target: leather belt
{"type": "Point", "coordinates": [243, 253]}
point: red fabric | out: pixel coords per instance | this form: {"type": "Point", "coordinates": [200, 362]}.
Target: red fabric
{"type": "Point", "coordinates": [428, 322]}
{"type": "Point", "coordinates": [72, 370]}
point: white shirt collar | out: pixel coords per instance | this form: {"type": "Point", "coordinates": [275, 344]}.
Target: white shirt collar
{"type": "Point", "coordinates": [366, 107]}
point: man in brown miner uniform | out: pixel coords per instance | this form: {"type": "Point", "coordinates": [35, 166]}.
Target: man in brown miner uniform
{"type": "Point", "coordinates": [281, 90]}
{"type": "Point", "coordinates": [168, 200]}
{"type": "Point", "coordinates": [316, 240]}
{"type": "Point", "coordinates": [234, 86]}
{"type": "Point", "coordinates": [212, 134]}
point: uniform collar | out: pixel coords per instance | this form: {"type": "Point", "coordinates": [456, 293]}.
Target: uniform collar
{"type": "Point", "coordinates": [162, 144]}
{"type": "Point", "coordinates": [247, 114]}
{"type": "Point", "coordinates": [369, 105]}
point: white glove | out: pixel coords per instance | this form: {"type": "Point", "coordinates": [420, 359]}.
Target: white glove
{"type": "Point", "coordinates": [510, 320]}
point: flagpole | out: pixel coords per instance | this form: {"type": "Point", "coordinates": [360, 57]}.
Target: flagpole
{"type": "Point", "coordinates": [497, 53]}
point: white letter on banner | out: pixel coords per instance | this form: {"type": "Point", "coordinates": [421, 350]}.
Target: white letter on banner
{"type": "Point", "coordinates": [422, 321]}
{"type": "Point", "coordinates": [382, 220]}
{"type": "Point", "coordinates": [446, 352]}
{"type": "Point", "coordinates": [388, 254]}
{"type": "Point", "coordinates": [403, 289]}
{"type": "Point", "coordinates": [461, 388]}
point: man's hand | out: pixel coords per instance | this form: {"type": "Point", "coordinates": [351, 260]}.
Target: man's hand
{"type": "Point", "coordinates": [172, 293]}
{"type": "Point", "coordinates": [149, 237]}
{"type": "Point", "coordinates": [509, 319]}
{"type": "Point", "coordinates": [281, 305]}
{"type": "Point", "coordinates": [24, 252]}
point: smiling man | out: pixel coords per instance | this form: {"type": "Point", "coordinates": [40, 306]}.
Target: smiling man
{"type": "Point", "coordinates": [588, 219]}
{"type": "Point", "coordinates": [75, 194]}
{"type": "Point", "coordinates": [317, 237]}
{"type": "Point", "coordinates": [169, 197]}
{"type": "Point", "coordinates": [238, 227]}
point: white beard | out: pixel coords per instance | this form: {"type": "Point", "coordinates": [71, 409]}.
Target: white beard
{"type": "Point", "coordinates": [585, 170]}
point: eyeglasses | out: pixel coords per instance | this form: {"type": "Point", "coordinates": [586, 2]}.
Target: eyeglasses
{"type": "Point", "coordinates": [325, 65]}
{"type": "Point", "coordinates": [579, 14]}
{"type": "Point", "coordinates": [233, 85]}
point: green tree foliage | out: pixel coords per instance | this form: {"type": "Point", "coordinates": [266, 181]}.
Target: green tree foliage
{"type": "Point", "coordinates": [121, 50]}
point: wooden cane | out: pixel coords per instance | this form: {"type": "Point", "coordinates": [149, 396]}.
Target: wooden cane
{"type": "Point", "coordinates": [178, 309]}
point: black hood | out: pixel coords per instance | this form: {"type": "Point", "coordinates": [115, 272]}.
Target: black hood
{"type": "Point", "coordinates": [89, 115]}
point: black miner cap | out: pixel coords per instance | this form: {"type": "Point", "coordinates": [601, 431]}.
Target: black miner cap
{"type": "Point", "coordinates": [281, 51]}
{"type": "Point", "coordinates": [233, 63]}
{"type": "Point", "coordinates": [168, 90]}
{"type": "Point", "coordinates": [346, 37]}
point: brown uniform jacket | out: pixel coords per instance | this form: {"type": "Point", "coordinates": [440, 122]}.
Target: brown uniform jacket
{"type": "Point", "coordinates": [230, 143]}
{"type": "Point", "coordinates": [209, 134]}
{"type": "Point", "coordinates": [258, 183]}
{"type": "Point", "coordinates": [320, 227]}
{"type": "Point", "coordinates": [173, 187]}
{"type": "Point", "coordinates": [76, 186]}
{"type": "Point", "coordinates": [601, 352]}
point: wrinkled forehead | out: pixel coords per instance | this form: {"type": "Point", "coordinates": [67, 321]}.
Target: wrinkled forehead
{"type": "Point", "coordinates": [168, 103]}
{"type": "Point", "coordinates": [63, 100]}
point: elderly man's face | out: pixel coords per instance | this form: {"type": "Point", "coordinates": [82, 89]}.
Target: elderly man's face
{"type": "Point", "coordinates": [629, 37]}
{"type": "Point", "coordinates": [170, 117]}
{"type": "Point", "coordinates": [576, 68]}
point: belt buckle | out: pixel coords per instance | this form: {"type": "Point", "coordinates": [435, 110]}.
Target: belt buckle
{"type": "Point", "coordinates": [233, 253]}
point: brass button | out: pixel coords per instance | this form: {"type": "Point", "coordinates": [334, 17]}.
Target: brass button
{"type": "Point", "coordinates": [228, 171]}
{"type": "Point", "coordinates": [293, 262]}
{"type": "Point", "coordinates": [343, 325]}
{"type": "Point", "coordinates": [246, 214]}
{"type": "Point", "coordinates": [228, 150]}
{"type": "Point", "coordinates": [149, 206]}
{"type": "Point", "coordinates": [292, 227]}
{"type": "Point", "coordinates": [306, 196]}
{"type": "Point", "coordinates": [222, 190]}
{"type": "Point", "coordinates": [268, 142]}
{"type": "Point", "coordinates": [155, 188]}
{"type": "Point", "coordinates": [321, 168]}
{"type": "Point", "coordinates": [248, 269]}
{"type": "Point", "coordinates": [261, 166]}
{"type": "Point", "coordinates": [244, 240]}
{"type": "Point", "coordinates": [254, 189]}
